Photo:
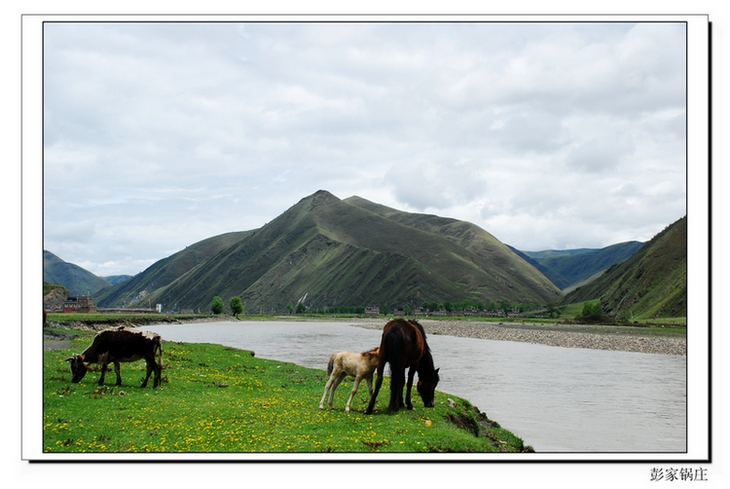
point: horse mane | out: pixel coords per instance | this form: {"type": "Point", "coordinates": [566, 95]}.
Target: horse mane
{"type": "Point", "coordinates": [426, 365]}
{"type": "Point", "coordinates": [423, 334]}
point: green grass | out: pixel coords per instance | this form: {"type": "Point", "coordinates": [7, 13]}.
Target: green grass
{"type": "Point", "coordinates": [220, 399]}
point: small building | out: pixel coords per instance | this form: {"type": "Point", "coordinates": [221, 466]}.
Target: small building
{"type": "Point", "coordinates": [372, 311]}
{"type": "Point", "coordinates": [84, 303]}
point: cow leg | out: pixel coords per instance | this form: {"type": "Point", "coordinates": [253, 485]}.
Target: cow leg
{"type": "Point", "coordinates": [158, 374]}
{"type": "Point", "coordinates": [103, 373]}
{"type": "Point", "coordinates": [149, 363]}
{"type": "Point", "coordinates": [411, 373]}
{"type": "Point", "coordinates": [117, 371]}
{"type": "Point", "coordinates": [374, 395]}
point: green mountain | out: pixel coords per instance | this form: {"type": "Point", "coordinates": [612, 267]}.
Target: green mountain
{"type": "Point", "coordinates": [326, 252]}
{"type": "Point", "coordinates": [75, 279]}
{"type": "Point", "coordinates": [568, 269]}
{"type": "Point", "coordinates": [651, 283]}
{"type": "Point", "coordinates": [135, 290]}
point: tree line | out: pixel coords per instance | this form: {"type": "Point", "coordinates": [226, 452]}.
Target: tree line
{"type": "Point", "coordinates": [504, 307]}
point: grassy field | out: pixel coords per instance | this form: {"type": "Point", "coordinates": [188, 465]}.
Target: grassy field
{"type": "Point", "coordinates": [220, 399]}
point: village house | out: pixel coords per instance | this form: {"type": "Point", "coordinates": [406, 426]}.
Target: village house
{"type": "Point", "coordinates": [82, 303]}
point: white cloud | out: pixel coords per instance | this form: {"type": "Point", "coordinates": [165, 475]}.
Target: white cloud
{"type": "Point", "coordinates": [546, 135]}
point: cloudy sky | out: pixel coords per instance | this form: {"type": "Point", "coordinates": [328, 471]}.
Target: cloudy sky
{"type": "Point", "coordinates": [547, 135]}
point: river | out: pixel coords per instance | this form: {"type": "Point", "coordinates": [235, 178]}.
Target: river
{"type": "Point", "coordinates": [558, 400]}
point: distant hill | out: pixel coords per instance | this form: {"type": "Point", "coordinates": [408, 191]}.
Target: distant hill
{"type": "Point", "coordinates": [324, 251]}
{"type": "Point", "coordinates": [570, 268]}
{"type": "Point", "coordinates": [163, 272]}
{"type": "Point", "coordinates": [75, 279]}
{"type": "Point", "coordinates": [651, 283]}
{"type": "Point", "coordinates": [116, 279]}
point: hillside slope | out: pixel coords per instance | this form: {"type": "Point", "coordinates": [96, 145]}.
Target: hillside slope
{"type": "Point", "coordinates": [325, 252]}
{"type": "Point", "coordinates": [652, 283]}
{"type": "Point", "coordinates": [75, 279]}
{"type": "Point", "coordinates": [165, 271]}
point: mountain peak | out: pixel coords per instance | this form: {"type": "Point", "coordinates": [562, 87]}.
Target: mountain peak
{"type": "Point", "coordinates": [320, 197]}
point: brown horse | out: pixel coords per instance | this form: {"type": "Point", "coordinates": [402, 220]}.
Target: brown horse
{"type": "Point", "coordinates": [359, 365]}
{"type": "Point", "coordinates": [403, 345]}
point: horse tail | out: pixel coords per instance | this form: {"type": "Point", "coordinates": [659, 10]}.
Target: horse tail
{"type": "Point", "coordinates": [391, 347]}
{"type": "Point", "coordinates": [331, 365]}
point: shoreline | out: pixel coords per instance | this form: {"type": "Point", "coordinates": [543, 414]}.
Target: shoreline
{"type": "Point", "coordinates": [595, 337]}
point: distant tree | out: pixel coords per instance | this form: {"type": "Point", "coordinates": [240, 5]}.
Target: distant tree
{"type": "Point", "coordinates": [431, 306]}
{"type": "Point", "coordinates": [217, 305]}
{"type": "Point", "coordinates": [480, 305]}
{"type": "Point", "coordinates": [236, 305]}
{"type": "Point", "coordinates": [384, 308]}
{"type": "Point", "coordinates": [592, 311]}
{"type": "Point", "coordinates": [407, 310]}
{"type": "Point", "coordinates": [290, 308]}
{"type": "Point", "coordinates": [448, 306]}
{"type": "Point", "coordinates": [552, 310]}
{"type": "Point", "coordinates": [301, 308]}
{"type": "Point", "coordinates": [505, 306]}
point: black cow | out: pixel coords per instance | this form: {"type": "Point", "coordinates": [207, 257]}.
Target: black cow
{"type": "Point", "coordinates": [120, 345]}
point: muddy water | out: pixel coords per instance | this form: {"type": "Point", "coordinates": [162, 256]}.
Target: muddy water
{"type": "Point", "coordinates": [555, 399]}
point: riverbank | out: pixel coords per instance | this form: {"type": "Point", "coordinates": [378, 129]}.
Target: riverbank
{"type": "Point", "coordinates": [598, 337]}
{"type": "Point", "coordinates": [620, 338]}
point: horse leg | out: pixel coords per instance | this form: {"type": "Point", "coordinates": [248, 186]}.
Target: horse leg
{"type": "Point", "coordinates": [335, 385]}
{"type": "Point", "coordinates": [374, 395]}
{"type": "Point", "coordinates": [411, 373]}
{"type": "Point", "coordinates": [369, 381]}
{"type": "Point", "coordinates": [397, 381]}
{"type": "Point", "coordinates": [353, 392]}
{"type": "Point", "coordinates": [326, 388]}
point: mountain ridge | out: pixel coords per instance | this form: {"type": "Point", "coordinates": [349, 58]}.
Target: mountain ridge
{"type": "Point", "coordinates": [357, 252]}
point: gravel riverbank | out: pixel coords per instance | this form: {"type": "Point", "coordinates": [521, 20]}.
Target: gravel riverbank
{"type": "Point", "coordinates": [567, 336]}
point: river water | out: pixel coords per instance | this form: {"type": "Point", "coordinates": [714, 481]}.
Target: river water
{"type": "Point", "coordinates": [558, 400]}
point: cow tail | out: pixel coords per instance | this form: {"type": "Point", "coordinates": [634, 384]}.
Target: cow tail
{"type": "Point", "coordinates": [159, 354]}
{"type": "Point", "coordinates": [331, 365]}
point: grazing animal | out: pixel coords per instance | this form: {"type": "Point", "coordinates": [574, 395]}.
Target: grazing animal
{"type": "Point", "coordinates": [403, 345]}
{"type": "Point", "coordinates": [120, 345]}
{"type": "Point", "coordinates": [359, 365]}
